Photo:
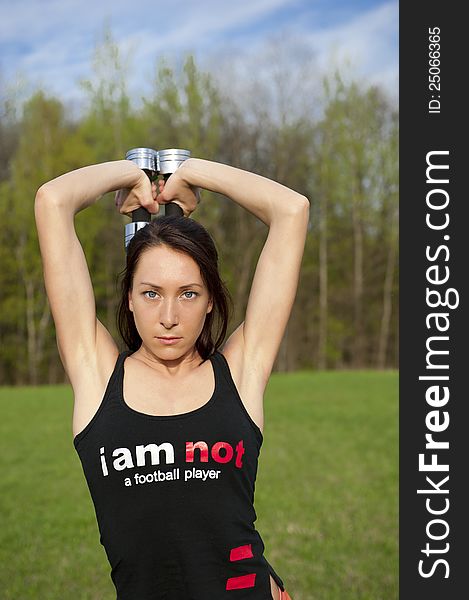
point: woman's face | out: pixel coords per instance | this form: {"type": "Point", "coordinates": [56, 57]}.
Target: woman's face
{"type": "Point", "coordinates": [168, 299]}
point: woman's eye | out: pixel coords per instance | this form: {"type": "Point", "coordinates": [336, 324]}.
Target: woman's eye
{"type": "Point", "coordinates": [154, 294]}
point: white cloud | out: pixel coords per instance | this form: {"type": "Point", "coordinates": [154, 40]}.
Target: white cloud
{"type": "Point", "coordinates": [364, 47]}
{"type": "Point", "coordinates": [369, 40]}
{"type": "Point", "coordinates": [40, 39]}
{"type": "Point", "coordinates": [52, 42]}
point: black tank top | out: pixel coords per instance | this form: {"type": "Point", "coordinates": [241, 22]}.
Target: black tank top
{"type": "Point", "coordinates": [174, 495]}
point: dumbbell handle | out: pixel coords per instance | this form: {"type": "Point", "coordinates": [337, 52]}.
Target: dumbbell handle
{"type": "Point", "coordinates": [171, 208]}
{"type": "Point", "coordinates": [174, 209]}
{"type": "Point", "coordinates": [141, 214]}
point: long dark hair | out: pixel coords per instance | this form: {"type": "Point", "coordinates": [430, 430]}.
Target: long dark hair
{"type": "Point", "coordinates": [184, 235]}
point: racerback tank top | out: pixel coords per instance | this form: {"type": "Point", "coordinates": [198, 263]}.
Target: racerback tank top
{"type": "Point", "coordinates": [174, 495]}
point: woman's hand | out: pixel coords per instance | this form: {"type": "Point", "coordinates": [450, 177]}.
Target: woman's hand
{"type": "Point", "coordinates": [177, 190]}
{"type": "Point", "coordinates": [143, 193]}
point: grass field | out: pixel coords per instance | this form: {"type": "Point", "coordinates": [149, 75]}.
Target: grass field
{"type": "Point", "coordinates": [326, 492]}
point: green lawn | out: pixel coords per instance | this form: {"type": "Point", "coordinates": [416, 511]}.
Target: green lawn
{"type": "Point", "coordinates": [326, 493]}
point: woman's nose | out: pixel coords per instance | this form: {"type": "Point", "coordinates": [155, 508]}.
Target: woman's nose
{"type": "Point", "coordinates": [168, 314]}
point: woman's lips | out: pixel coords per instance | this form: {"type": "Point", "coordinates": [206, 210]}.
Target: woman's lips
{"type": "Point", "coordinates": [169, 341]}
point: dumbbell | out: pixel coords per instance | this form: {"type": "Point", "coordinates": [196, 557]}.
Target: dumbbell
{"type": "Point", "coordinates": [154, 163]}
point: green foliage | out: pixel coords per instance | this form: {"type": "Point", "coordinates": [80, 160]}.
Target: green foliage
{"type": "Point", "coordinates": [354, 177]}
{"type": "Point", "coordinates": [109, 127]}
{"type": "Point", "coordinates": [344, 161]}
{"type": "Point", "coordinates": [41, 155]}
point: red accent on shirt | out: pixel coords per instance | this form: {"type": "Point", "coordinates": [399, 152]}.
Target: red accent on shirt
{"type": "Point", "coordinates": [241, 552]}
{"type": "Point", "coordinates": [244, 581]}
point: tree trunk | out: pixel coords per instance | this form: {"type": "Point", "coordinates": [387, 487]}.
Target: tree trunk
{"type": "Point", "coordinates": [358, 358]}
{"type": "Point", "coordinates": [387, 304]}
{"type": "Point", "coordinates": [43, 326]}
{"type": "Point", "coordinates": [323, 292]}
{"type": "Point", "coordinates": [31, 333]}
{"type": "Point", "coordinates": [31, 340]}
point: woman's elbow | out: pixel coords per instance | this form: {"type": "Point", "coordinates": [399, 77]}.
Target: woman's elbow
{"type": "Point", "coordinates": [45, 194]}
{"type": "Point", "coordinates": [300, 205]}
{"type": "Point", "coordinates": [42, 193]}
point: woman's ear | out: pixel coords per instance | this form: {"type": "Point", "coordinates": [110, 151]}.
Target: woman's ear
{"type": "Point", "coordinates": [131, 305]}
{"type": "Point", "coordinates": [210, 306]}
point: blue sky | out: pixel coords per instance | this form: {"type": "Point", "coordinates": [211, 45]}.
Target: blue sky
{"type": "Point", "coordinates": [51, 43]}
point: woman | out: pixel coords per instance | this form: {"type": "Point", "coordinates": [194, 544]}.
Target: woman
{"type": "Point", "coordinates": [171, 474]}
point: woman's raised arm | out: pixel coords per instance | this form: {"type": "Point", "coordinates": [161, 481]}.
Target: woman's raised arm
{"type": "Point", "coordinates": [80, 335]}
{"type": "Point", "coordinates": [255, 343]}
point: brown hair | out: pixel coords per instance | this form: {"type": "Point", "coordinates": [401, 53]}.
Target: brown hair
{"type": "Point", "coordinates": [182, 234]}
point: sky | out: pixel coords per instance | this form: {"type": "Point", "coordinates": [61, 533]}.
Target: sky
{"type": "Point", "coordinates": [51, 43]}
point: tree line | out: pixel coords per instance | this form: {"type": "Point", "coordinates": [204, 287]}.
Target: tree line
{"type": "Point", "coordinates": [343, 157]}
